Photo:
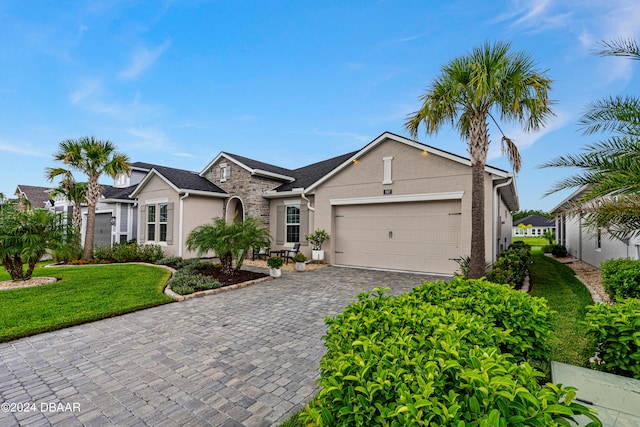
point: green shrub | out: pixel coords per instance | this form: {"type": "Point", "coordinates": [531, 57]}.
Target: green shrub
{"type": "Point", "coordinates": [129, 252]}
{"type": "Point", "coordinates": [174, 261]}
{"type": "Point", "coordinates": [395, 361]}
{"type": "Point", "coordinates": [527, 318]}
{"type": "Point", "coordinates": [511, 266]}
{"type": "Point", "coordinates": [187, 281]}
{"type": "Point", "coordinates": [559, 251]}
{"type": "Point", "coordinates": [621, 278]}
{"type": "Point", "coordinates": [519, 244]}
{"type": "Point", "coordinates": [547, 249]}
{"type": "Point", "coordinates": [615, 327]}
{"type": "Point", "coordinates": [465, 266]}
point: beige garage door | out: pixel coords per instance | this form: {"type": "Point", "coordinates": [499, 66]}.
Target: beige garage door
{"type": "Point", "coordinates": [420, 236]}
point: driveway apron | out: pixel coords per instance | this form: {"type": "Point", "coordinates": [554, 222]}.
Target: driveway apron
{"type": "Point", "coordinates": [247, 357]}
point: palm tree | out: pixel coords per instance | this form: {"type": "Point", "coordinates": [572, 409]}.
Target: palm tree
{"type": "Point", "coordinates": [489, 81]}
{"type": "Point", "coordinates": [610, 169]}
{"type": "Point", "coordinates": [94, 158]}
{"type": "Point", "coordinates": [70, 189]}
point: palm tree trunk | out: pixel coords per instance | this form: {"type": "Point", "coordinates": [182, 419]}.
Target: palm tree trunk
{"type": "Point", "coordinates": [93, 193]}
{"type": "Point", "coordinates": [478, 146]}
{"type": "Point", "coordinates": [477, 265]}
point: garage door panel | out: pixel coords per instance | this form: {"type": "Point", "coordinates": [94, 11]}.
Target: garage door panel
{"type": "Point", "coordinates": [424, 236]}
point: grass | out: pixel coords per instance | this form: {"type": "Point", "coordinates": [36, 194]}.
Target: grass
{"type": "Point", "coordinates": [532, 241]}
{"type": "Point", "coordinates": [568, 297]}
{"type": "Point", "coordinates": [83, 294]}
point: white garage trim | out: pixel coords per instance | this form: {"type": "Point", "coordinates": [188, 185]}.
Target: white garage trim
{"type": "Point", "coordinates": [454, 195]}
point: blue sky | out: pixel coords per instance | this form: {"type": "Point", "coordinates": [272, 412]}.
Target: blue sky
{"type": "Point", "coordinates": [285, 82]}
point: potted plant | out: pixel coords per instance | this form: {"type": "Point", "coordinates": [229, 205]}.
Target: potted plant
{"type": "Point", "coordinates": [300, 261]}
{"type": "Point", "coordinates": [317, 238]}
{"type": "Point", "coordinates": [274, 264]}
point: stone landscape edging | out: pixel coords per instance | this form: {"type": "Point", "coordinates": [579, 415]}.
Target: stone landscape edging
{"type": "Point", "coordinates": [168, 292]}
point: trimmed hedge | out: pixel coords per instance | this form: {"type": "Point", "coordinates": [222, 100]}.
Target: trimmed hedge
{"type": "Point", "coordinates": [617, 330]}
{"type": "Point", "coordinates": [128, 252]}
{"type": "Point", "coordinates": [428, 359]}
{"type": "Point", "coordinates": [559, 251]}
{"type": "Point", "coordinates": [621, 278]}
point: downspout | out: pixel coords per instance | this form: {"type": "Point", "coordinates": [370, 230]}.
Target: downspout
{"type": "Point", "coordinates": [304, 197]}
{"type": "Point", "coordinates": [180, 223]}
{"type": "Point", "coordinates": [494, 242]}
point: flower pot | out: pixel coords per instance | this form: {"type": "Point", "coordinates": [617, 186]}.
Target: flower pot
{"type": "Point", "coordinates": [275, 272]}
{"type": "Point", "coordinates": [300, 266]}
{"type": "Point", "coordinates": [317, 255]}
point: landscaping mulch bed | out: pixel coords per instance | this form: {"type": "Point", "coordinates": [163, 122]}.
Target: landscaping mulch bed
{"type": "Point", "coordinates": [227, 280]}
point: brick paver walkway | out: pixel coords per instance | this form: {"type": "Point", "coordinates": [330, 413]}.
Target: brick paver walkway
{"type": "Point", "coordinates": [247, 357]}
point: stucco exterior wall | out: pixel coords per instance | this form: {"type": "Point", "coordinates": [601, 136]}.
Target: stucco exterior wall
{"type": "Point", "coordinates": [305, 248]}
{"type": "Point", "coordinates": [195, 210]}
{"type": "Point", "coordinates": [413, 172]}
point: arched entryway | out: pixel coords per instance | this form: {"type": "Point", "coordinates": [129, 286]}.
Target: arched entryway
{"type": "Point", "coordinates": [235, 210]}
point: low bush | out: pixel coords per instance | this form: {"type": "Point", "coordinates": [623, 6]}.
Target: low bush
{"type": "Point", "coordinates": [615, 327]}
{"type": "Point", "coordinates": [547, 249]}
{"type": "Point", "coordinates": [406, 361]}
{"type": "Point", "coordinates": [174, 261]}
{"type": "Point", "coordinates": [559, 251]}
{"type": "Point", "coordinates": [129, 252]}
{"type": "Point", "coordinates": [511, 266]}
{"type": "Point", "coordinates": [187, 281]}
{"type": "Point", "coordinates": [621, 278]}
{"type": "Point", "coordinates": [465, 266]}
{"type": "Point", "coordinates": [527, 318]}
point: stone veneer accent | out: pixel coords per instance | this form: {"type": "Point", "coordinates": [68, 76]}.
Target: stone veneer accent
{"type": "Point", "coordinates": [249, 188]}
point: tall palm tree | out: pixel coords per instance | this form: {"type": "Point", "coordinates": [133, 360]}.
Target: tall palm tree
{"type": "Point", "coordinates": [491, 80]}
{"type": "Point", "coordinates": [610, 169]}
{"type": "Point", "coordinates": [93, 158]}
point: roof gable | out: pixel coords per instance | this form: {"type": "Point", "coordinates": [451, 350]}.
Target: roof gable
{"type": "Point", "coordinates": [37, 196]}
{"type": "Point", "coordinates": [535, 221]}
{"type": "Point", "coordinates": [254, 167]}
{"type": "Point", "coordinates": [181, 181]}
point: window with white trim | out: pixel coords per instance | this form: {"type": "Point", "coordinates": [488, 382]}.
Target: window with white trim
{"type": "Point", "coordinates": [162, 222]}
{"type": "Point", "coordinates": [292, 224]}
{"type": "Point", "coordinates": [599, 239]}
{"type": "Point", "coordinates": [224, 172]}
{"type": "Point", "coordinates": [151, 222]}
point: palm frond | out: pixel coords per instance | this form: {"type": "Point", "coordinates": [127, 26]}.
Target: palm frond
{"type": "Point", "coordinates": [620, 47]}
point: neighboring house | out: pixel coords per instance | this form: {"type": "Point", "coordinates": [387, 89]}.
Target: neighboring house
{"type": "Point", "coordinates": [394, 204]}
{"type": "Point", "coordinates": [533, 226]}
{"type": "Point", "coordinates": [591, 246]}
{"type": "Point", "coordinates": [32, 197]}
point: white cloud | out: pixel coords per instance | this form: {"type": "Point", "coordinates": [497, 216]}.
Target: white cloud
{"type": "Point", "coordinates": [149, 138]}
{"type": "Point", "coordinates": [187, 155]}
{"type": "Point", "coordinates": [143, 59]}
{"type": "Point", "coordinates": [87, 89]}
{"type": "Point", "coordinates": [357, 137]}
{"type": "Point", "coordinates": [22, 150]}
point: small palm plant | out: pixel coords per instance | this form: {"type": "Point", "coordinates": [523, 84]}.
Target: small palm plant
{"type": "Point", "coordinates": [230, 242]}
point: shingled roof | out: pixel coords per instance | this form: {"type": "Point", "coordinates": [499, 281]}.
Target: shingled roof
{"type": "Point", "coordinates": [118, 193]}
{"type": "Point", "coordinates": [255, 164]}
{"type": "Point", "coordinates": [183, 180]}
{"type": "Point", "coordinates": [307, 175]}
{"type": "Point", "coordinates": [535, 221]}
{"type": "Point", "coordinates": [37, 196]}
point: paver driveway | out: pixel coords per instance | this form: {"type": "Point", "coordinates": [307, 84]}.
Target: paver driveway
{"type": "Point", "coordinates": [245, 357]}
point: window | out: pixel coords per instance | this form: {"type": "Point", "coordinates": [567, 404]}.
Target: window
{"type": "Point", "coordinates": [293, 224]}
{"type": "Point", "coordinates": [151, 222]}
{"type": "Point", "coordinates": [599, 239]}
{"type": "Point", "coordinates": [224, 172]}
{"type": "Point", "coordinates": [162, 221]}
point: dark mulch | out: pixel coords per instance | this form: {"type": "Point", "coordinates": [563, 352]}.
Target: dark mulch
{"type": "Point", "coordinates": [226, 280]}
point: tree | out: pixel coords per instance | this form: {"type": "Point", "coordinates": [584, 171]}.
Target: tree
{"type": "Point", "coordinates": [93, 158]}
{"type": "Point", "coordinates": [70, 189]}
{"type": "Point", "coordinates": [609, 169]}
{"type": "Point", "coordinates": [230, 242]}
{"type": "Point", "coordinates": [25, 236]}
{"type": "Point", "coordinates": [489, 81]}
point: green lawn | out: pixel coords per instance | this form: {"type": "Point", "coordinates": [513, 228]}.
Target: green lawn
{"type": "Point", "coordinates": [568, 297]}
{"type": "Point", "coordinates": [532, 241]}
{"type": "Point", "coordinates": [83, 294]}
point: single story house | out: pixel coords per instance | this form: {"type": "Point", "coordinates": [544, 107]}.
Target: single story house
{"type": "Point", "coordinates": [533, 226]}
{"type": "Point", "coordinates": [393, 204]}
{"type": "Point", "coordinates": [591, 246]}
